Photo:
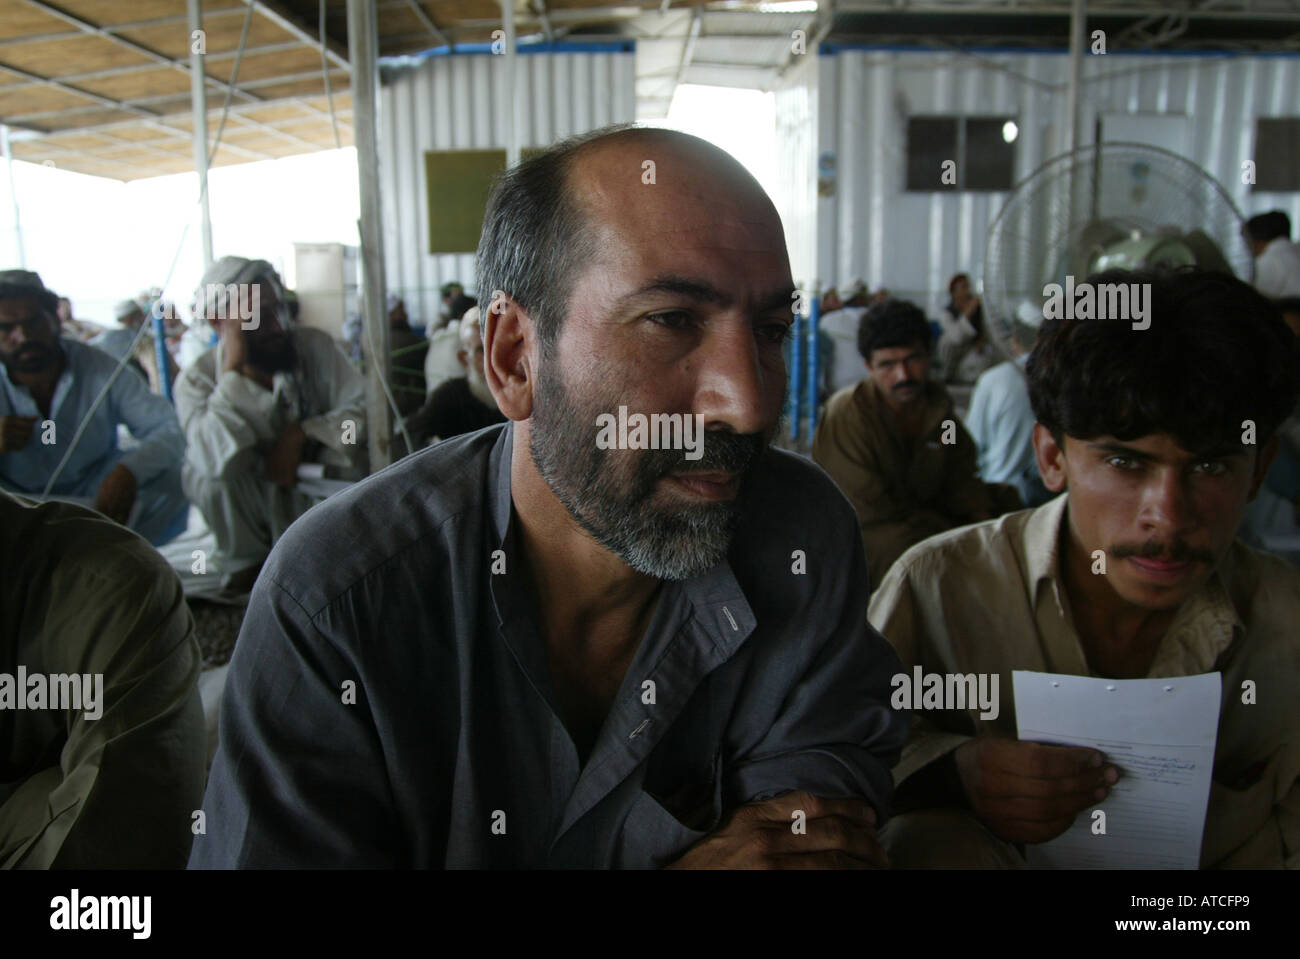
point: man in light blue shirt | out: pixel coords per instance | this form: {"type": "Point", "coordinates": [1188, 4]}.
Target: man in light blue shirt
{"type": "Point", "coordinates": [1002, 423]}
{"type": "Point", "coordinates": [48, 386]}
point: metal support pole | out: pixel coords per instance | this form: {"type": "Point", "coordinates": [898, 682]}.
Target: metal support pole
{"type": "Point", "coordinates": [794, 402]}
{"type": "Point", "coordinates": [814, 359]}
{"type": "Point", "coordinates": [516, 102]}
{"type": "Point", "coordinates": [1078, 16]}
{"type": "Point", "coordinates": [199, 107]}
{"type": "Point", "coordinates": [13, 195]}
{"type": "Point", "coordinates": [363, 51]}
{"type": "Point", "coordinates": [160, 353]}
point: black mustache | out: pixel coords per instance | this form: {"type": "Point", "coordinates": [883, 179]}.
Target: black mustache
{"type": "Point", "coordinates": [1176, 552]}
{"type": "Point", "coordinates": [724, 452]}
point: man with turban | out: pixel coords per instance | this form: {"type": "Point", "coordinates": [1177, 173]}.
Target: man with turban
{"type": "Point", "coordinates": [268, 397]}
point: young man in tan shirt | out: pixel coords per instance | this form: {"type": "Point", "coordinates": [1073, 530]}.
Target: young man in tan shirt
{"type": "Point", "coordinates": [1159, 437]}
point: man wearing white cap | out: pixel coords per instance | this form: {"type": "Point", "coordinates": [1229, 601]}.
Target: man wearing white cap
{"type": "Point", "coordinates": [267, 398]}
{"type": "Point", "coordinates": [841, 325]}
{"type": "Point", "coordinates": [55, 424]}
{"type": "Point", "coordinates": [463, 404]}
{"type": "Point", "coordinates": [120, 341]}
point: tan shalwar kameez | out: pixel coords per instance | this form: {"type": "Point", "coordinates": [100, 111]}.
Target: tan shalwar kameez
{"type": "Point", "coordinates": [989, 599]}
{"type": "Point", "coordinates": [903, 488]}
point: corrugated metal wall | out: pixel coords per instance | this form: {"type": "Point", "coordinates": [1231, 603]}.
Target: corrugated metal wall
{"type": "Point", "coordinates": [461, 103]}
{"type": "Point", "coordinates": [912, 242]}
{"type": "Point", "coordinates": [796, 192]}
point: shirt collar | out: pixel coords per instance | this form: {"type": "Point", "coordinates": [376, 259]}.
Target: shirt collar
{"type": "Point", "coordinates": [1201, 630]}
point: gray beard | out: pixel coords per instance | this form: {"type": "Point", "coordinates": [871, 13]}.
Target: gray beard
{"type": "Point", "coordinates": [608, 492]}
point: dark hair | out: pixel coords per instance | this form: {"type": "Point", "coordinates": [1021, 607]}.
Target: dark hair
{"type": "Point", "coordinates": [892, 323]}
{"type": "Point", "coordinates": [460, 305]}
{"type": "Point", "coordinates": [1265, 227]}
{"type": "Point", "coordinates": [1216, 353]}
{"type": "Point", "coordinates": [1288, 304]}
{"type": "Point", "coordinates": [955, 278]}
{"type": "Point", "coordinates": [535, 236]}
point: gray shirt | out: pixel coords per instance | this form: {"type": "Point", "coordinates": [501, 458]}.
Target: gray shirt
{"type": "Point", "coordinates": [389, 702]}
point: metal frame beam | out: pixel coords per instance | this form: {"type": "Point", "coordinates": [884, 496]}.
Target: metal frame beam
{"type": "Point", "coordinates": [85, 26]}
{"type": "Point", "coordinates": [27, 118]}
{"type": "Point", "coordinates": [285, 21]}
{"type": "Point", "coordinates": [539, 8]}
{"type": "Point", "coordinates": [427, 22]}
{"type": "Point", "coordinates": [122, 71]}
{"type": "Point", "coordinates": [363, 48]}
{"type": "Point", "coordinates": [163, 122]}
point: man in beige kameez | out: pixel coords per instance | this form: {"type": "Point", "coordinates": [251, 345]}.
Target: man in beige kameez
{"type": "Point", "coordinates": [893, 443]}
{"type": "Point", "coordinates": [1159, 438]}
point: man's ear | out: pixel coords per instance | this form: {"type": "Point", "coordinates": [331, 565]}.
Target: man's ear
{"type": "Point", "coordinates": [1051, 458]}
{"type": "Point", "coordinates": [509, 352]}
{"type": "Point", "coordinates": [1263, 460]}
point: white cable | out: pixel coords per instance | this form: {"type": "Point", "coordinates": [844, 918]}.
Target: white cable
{"type": "Point", "coordinates": [148, 323]}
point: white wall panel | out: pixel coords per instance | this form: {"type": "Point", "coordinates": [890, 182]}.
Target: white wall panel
{"type": "Point", "coordinates": [912, 242]}
{"type": "Point", "coordinates": [795, 109]}
{"type": "Point", "coordinates": [460, 103]}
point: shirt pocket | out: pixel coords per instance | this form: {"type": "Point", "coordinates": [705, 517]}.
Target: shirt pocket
{"type": "Point", "coordinates": [669, 816]}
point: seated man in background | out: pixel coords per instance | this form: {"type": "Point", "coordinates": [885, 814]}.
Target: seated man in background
{"type": "Point", "coordinates": [530, 647]}
{"type": "Point", "coordinates": [839, 322]}
{"type": "Point", "coordinates": [103, 766]}
{"type": "Point", "coordinates": [1145, 430]}
{"type": "Point", "coordinates": [1001, 419]}
{"type": "Point", "coordinates": [442, 362]}
{"type": "Point", "coordinates": [448, 292]}
{"type": "Point", "coordinates": [119, 341]}
{"type": "Point", "coordinates": [407, 351]}
{"type": "Point", "coordinates": [965, 350]}
{"type": "Point", "coordinates": [1277, 259]}
{"type": "Point", "coordinates": [893, 443]}
{"type": "Point", "coordinates": [47, 388]}
{"type": "Point", "coordinates": [460, 405]}
{"type": "Point", "coordinates": [267, 398]}
{"type": "Point", "coordinates": [70, 327]}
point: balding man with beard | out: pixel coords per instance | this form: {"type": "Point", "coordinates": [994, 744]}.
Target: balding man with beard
{"type": "Point", "coordinates": [520, 648]}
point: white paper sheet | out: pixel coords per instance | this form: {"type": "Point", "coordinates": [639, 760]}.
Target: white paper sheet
{"type": "Point", "coordinates": [1160, 733]}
